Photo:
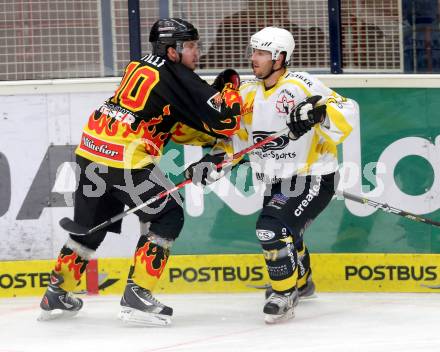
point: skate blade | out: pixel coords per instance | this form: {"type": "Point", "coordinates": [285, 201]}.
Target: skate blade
{"type": "Point", "coordinates": [136, 317]}
{"type": "Point", "coordinates": [260, 287]}
{"type": "Point", "coordinates": [276, 319]}
{"type": "Point", "coordinates": [47, 315]}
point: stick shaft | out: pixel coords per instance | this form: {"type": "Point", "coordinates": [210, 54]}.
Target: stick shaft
{"type": "Point", "coordinates": [388, 209]}
{"type": "Point", "coordinates": [184, 183]}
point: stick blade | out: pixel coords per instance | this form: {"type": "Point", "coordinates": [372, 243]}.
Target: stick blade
{"type": "Point", "coordinates": [72, 227]}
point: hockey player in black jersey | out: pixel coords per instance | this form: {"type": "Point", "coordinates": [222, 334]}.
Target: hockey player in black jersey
{"type": "Point", "coordinates": [123, 139]}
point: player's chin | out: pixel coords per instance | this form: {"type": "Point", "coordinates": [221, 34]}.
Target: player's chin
{"type": "Point", "coordinates": [193, 66]}
{"type": "Point", "coordinates": [259, 74]}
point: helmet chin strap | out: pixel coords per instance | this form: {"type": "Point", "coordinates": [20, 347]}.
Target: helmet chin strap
{"type": "Point", "coordinates": [179, 49]}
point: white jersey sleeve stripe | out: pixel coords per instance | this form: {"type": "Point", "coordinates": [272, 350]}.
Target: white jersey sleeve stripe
{"type": "Point", "coordinates": [339, 127]}
{"type": "Point", "coordinates": [300, 85]}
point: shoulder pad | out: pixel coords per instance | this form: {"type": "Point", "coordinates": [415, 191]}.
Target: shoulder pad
{"type": "Point", "coordinates": [250, 81]}
{"type": "Point", "coordinates": [304, 77]}
{"type": "Point", "coordinates": [249, 85]}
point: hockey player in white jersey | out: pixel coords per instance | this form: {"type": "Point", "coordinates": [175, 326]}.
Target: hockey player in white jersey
{"type": "Point", "coordinates": [299, 170]}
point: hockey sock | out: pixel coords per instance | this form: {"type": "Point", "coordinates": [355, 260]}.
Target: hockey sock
{"type": "Point", "coordinates": [281, 262]}
{"type": "Point", "coordinates": [71, 264]}
{"type": "Point", "coordinates": [149, 260]}
{"type": "Point", "coordinates": [279, 253]}
{"type": "Point", "coordinates": [304, 269]}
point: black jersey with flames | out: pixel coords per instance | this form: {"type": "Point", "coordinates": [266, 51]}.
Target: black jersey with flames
{"type": "Point", "coordinates": [155, 95]}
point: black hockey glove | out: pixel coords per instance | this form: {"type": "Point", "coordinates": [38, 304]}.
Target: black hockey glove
{"type": "Point", "coordinates": [304, 116]}
{"type": "Point", "coordinates": [205, 170]}
{"type": "Point", "coordinates": [227, 76]}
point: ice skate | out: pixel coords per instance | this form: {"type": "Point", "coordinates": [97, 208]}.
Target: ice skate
{"type": "Point", "coordinates": [138, 306]}
{"type": "Point", "coordinates": [279, 307]}
{"type": "Point", "coordinates": [58, 303]}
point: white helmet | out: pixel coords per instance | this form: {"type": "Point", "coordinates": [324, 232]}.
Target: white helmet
{"type": "Point", "coordinates": [275, 40]}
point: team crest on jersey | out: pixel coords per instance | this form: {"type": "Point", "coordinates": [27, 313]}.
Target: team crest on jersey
{"type": "Point", "coordinates": [285, 102]}
{"type": "Point", "coordinates": [276, 144]}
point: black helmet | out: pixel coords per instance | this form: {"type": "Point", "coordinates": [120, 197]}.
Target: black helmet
{"type": "Point", "coordinates": [172, 32]}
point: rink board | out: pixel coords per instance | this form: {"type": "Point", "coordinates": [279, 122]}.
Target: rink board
{"type": "Point", "coordinates": [391, 158]}
{"type": "Point", "coordinates": [238, 273]}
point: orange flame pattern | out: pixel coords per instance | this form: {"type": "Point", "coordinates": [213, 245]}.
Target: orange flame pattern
{"type": "Point", "coordinates": [74, 263]}
{"type": "Point", "coordinates": [231, 97]}
{"type": "Point", "coordinates": [146, 130]}
{"type": "Point", "coordinates": [248, 107]}
{"type": "Point", "coordinates": [153, 256]}
{"type": "Point", "coordinates": [178, 130]}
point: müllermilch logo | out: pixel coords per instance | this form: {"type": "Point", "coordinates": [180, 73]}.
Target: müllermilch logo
{"type": "Point", "coordinates": [101, 148]}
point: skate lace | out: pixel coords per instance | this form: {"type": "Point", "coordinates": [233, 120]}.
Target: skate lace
{"type": "Point", "coordinates": [70, 298]}
{"type": "Point", "coordinates": [279, 300]}
{"type": "Point", "coordinates": [150, 297]}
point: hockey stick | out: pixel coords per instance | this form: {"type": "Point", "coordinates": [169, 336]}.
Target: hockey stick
{"type": "Point", "coordinates": [77, 229]}
{"type": "Point", "coordinates": [388, 209]}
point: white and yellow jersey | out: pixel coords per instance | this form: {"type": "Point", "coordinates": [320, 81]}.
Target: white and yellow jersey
{"type": "Point", "coordinates": [265, 112]}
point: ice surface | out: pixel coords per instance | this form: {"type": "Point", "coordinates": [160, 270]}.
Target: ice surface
{"type": "Point", "coordinates": [233, 322]}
